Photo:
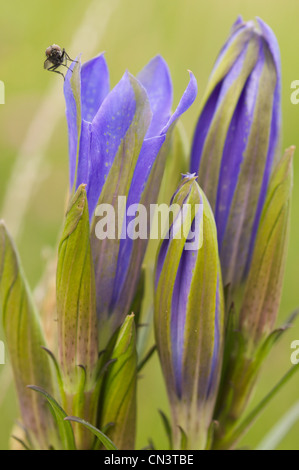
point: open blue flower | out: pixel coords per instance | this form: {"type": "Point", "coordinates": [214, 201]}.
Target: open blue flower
{"type": "Point", "coordinates": [118, 144]}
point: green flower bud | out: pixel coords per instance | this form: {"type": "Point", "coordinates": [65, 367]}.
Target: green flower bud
{"type": "Point", "coordinates": [189, 314]}
{"type": "Point", "coordinates": [25, 340]}
{"type": "Point", "coordinates": [77, 319]}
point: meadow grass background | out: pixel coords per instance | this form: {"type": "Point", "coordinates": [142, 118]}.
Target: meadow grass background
{"type": "Point", "coordinates": [188, 34]}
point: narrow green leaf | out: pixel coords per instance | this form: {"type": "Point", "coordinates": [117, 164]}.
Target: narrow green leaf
{"type": "Point", "coordinates": [151, 445]}
{"type": "Point", "coordinates": [65, 428]}
{"type": "Point", "coordinates": [107, 443]}
{"type": "Point", "coordinates": [146, 358]}
{"type": "Point", "coordinates": [118, 401]}
{"type": "Point", "coordinates": [98, 444]}
{"type": "Point", "coordinates": [22, 433]}
{"type": "Point", "coordinates": [231, 338]}
{"type": "Point", "coordinates": [280, 429]}
{"type": "Point", "coordinates": [291, 319]}
{"type": "Point", "coordinates": [184, 439]}
{"type": "Point", "coordinates": [57, 370]}
{"type": "Point", "coordinates": [20, 441]}
{"type": "Point", "coordinates": [144, 330]}
{"type": "Point", "coordinates": [211, 433]}
{"type": "Point", "coordinates": [230, 440]}
{"type": "Point", "coordinates": [167, 427]}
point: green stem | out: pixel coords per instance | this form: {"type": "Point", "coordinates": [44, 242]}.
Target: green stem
{"type": "Point", "coordinates": [231, 439]}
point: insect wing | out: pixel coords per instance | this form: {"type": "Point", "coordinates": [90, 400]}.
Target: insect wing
{"type": "Point", "coordinates": [48, 64]}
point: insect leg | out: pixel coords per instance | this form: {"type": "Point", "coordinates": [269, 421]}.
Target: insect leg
{"type": "Point", "coordinates": [64, 65]}
{"type": "Point", "coordinates": [53, 69]}
{"type": "Point", "coordinates": [68, 57]}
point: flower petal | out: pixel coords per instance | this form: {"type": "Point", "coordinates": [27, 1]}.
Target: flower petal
{"type": "Point", "coordinates": [84, 154]}
{"type": "Point", "coordinates": [72, 93]}
{"type": "Point", "coordinates": [109, 127]}
{"type": "Point", "coordinates": [155, 78]}
{"type": "Point", "coordinates": [258, 158]}
{"type": "Point", "coordinates": [185, 102]}
{"type": "Point", "coordinates": [94, 86]}
{"type": "Point", "coordinates": [146, 159]}
{"type": "Point", "coordinates": [128, 120]}
{"type": "Point", "coordinates": [147, 178]}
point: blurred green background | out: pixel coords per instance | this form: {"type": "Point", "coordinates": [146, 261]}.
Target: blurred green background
{"type": "Point", "coordinates": [33, 140]}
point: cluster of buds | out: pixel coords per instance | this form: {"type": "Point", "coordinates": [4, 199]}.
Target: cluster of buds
{"type": "Point", "coordinates": [219, 265]}
{"type": "Point", "coordinates": [236, 155]}
{"type": "Point", "coordinates": [86, 366]}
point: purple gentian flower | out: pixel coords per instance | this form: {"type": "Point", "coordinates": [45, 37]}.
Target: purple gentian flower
{"type": "Point", "coordinates": [118, 144]}
{"type": "Point", "coordinates": [236, 141]}
{"type": "Point", "coordinates": [189, 314]}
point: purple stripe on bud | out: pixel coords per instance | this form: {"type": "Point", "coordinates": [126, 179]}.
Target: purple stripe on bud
{"type": "Point", "coordinates": [236, 141]}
